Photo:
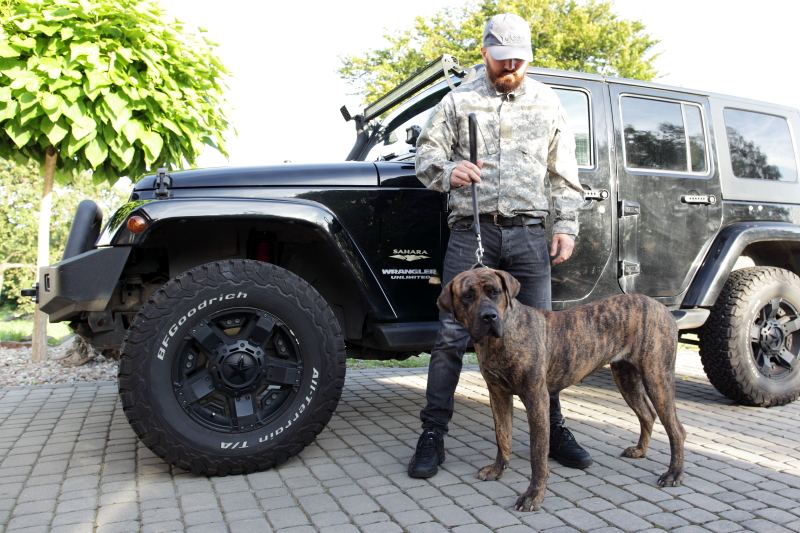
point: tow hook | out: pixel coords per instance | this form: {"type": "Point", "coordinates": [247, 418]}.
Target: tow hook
{"type": "Point", "coordinates": [32, 293]}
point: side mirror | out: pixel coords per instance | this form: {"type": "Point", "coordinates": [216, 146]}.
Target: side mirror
{"type": "Point", "coordinates": [412, 134]}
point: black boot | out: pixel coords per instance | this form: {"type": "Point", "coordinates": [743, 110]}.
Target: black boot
{"type": "Point", "coordinates": [428, 455]}
{"type": "Point", "coordinates": [565, 450]}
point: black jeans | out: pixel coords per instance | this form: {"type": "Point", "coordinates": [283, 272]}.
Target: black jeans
{"type": "Point", "coordinates": [519, 250]}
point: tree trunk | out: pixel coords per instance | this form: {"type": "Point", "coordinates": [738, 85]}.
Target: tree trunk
{"type": "Point", "coordinates": [39, 348]}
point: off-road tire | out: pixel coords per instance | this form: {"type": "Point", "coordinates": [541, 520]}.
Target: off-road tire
{"type": "Point", "coordinates": [157, 396]}
{"type": "Point", "coordinates": [731, 348]}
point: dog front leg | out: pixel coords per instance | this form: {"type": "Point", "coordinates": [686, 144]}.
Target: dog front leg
{"type": "Point", "coordinates": [503, 413]}
{"type": "Point", "coordinates": [536, 404]}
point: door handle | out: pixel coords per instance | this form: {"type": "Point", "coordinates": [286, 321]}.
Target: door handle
{"type": "Point", "coordinates": [707, 199]}
{"type": "Point", "coordinates": [600, 194]}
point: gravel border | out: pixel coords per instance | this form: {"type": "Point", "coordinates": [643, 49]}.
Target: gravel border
{"type": "Point", "coordinates": [16, 368]}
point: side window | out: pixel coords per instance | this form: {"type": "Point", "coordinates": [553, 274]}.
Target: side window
{"type": "Point", "coordinates": [576, 103]}
{"type": "Point", "coordinates": [761, 146]}
{"type": "Point", "coordinates": [664, 135]}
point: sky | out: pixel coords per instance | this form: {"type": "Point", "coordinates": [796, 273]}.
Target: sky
{"type": "Point", "coordinates": [286, 94]}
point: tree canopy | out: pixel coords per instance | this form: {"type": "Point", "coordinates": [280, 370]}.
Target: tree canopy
{"type": "Point", "coordinates": [110, 84]}
{"type": "Point", "coordinates": [565, 34]}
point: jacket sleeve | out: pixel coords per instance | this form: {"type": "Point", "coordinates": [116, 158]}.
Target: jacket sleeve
{"type": "Point", "coordinates": [435, 146]}
{"type": "Point", "coordinates": [563, 169]}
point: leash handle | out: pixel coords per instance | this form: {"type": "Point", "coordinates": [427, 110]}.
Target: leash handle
{"type": "Point", "coordinates": [473, 158]}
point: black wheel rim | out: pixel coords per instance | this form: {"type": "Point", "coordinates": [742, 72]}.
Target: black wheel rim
{"type": "Point", "coordinates": [775, 338]}
{"type": "Point", "coordinates": [237, 370]}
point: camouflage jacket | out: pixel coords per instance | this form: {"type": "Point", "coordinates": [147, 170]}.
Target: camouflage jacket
{"type": "Point", "coordinates": [522, 137]}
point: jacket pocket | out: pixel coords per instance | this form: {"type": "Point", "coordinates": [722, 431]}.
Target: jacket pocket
{"type": "Point", "coordinates": [489, 132]}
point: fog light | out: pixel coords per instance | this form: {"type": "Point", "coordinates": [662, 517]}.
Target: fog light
{"type": "Point", "coordinates": [137, 224]}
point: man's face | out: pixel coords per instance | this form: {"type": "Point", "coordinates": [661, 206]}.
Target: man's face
{"type": "Point", "coordinates": [506, 76]}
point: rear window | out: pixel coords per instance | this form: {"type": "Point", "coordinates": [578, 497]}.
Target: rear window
{"type": "Point", "coordinates": [761, 146]}
{"type": "Point", "coordinates": [664, 135]}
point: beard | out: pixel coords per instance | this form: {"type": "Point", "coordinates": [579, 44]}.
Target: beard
{"type": "Point", "coordinates": [506, 81]}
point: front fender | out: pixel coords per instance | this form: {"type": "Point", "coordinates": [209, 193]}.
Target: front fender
{"type": "Point", "coordinates": [311, 215]}
{"type": "Point", "coordinates": [727, 248]}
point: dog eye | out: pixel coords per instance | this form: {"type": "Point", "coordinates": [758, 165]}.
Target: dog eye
{"type": "Point", "coordinates": [467, 295]}
{"type": "Point", "coordinates": [495, 292]}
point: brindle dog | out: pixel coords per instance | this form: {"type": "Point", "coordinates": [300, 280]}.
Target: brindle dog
{"type": "Point", "coordinates": [532, 353]}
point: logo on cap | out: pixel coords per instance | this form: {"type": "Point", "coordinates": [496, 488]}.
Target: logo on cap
{"type": "Point", "coordinates": [513, 38]}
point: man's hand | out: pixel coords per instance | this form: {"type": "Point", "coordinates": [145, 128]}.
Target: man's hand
{"type": "Point", "coordinates": [465, 173]}
{"type": "Point", "coordinates": [564, 243]}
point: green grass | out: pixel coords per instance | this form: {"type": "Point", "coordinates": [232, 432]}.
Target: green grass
{"type": "Point", "coordinates": [690, 347]}
{"type": "Point", "coordinates": [412, 362]}
{"type": "Point", "coordinates": [19, 329]}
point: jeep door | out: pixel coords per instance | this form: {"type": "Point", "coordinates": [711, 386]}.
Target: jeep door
{"type": "Point", "coordinates": [584, 102]}
{"type": "Point", "coordinates": [668, 188]}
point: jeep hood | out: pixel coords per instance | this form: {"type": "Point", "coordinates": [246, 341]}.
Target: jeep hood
{"type": "Point", "coordinates": [351, 174]}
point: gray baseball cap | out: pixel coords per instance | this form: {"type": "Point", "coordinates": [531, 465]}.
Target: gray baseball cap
{"type": "Point", "coordinates": [508, 36]}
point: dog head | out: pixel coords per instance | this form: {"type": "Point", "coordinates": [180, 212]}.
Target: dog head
{"type": "Point", "coordinates": [478, 299]}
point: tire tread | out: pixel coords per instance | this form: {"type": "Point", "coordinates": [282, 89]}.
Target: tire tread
{"type": "Point", "coordinates": [131, 377]}
{"type": "Point", "coordinates": [721, 353]}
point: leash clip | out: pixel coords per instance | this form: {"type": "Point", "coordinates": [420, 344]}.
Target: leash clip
{"type": "Point", "coordinates": [479, 253]}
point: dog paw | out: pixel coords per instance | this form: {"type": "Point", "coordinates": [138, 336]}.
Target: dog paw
{"type": "Point", "coordinates": [491, 472]}
{"type": "Point", "coordinates": [634, 452]}
{"type": "Point", "coordinates": [529, 502]}
{"type": "Point", "coordinates": [671, 478]}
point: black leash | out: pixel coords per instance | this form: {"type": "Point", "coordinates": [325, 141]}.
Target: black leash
{"type": "Point", "coordinates": [473, 157]}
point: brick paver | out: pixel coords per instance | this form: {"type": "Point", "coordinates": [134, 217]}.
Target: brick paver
{"type": "Point", "coordinates": [70, 462]}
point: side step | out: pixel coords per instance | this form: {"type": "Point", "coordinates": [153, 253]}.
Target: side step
{"type": "Point", "coordinates": [690, 318]}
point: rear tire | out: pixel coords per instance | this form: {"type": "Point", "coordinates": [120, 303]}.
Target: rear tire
{"type": "Point", "coordinates": [232, 367]}
{"type": "Point", "coordinates": [749, 345]}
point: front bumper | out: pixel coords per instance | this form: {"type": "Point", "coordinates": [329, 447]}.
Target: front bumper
{"type": "Point", "coordinates": [82, 283]}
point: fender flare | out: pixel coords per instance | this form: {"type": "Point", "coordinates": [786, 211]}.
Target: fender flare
{"type": "Point", "coordinates": [86, 225]}
{"type": "Point", "coordinates": [312, 215]}
{"type": "Point", "coordinates": [728, 246]}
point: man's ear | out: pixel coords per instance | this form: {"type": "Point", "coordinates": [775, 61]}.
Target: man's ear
{"type": "Point", "coordinates": [445, 301]}
{"type": "Point", "coordinates": [510, 285]}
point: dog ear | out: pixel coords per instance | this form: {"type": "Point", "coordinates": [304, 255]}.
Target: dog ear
{"type": "Point", "coordinates": [510, 284]}
{"type": "Point", "coordinates": [445, 300]}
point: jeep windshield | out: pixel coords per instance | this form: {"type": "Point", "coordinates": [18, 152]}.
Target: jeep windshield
{"type": "Point", "coordinates": [389, 143]}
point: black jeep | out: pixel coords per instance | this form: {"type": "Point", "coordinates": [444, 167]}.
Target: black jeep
{"type": "Point", "coordinates": [236, 294]}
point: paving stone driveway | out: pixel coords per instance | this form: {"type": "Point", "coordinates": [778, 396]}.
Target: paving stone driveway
{"type": "Point", "coordinates": [71, 463]}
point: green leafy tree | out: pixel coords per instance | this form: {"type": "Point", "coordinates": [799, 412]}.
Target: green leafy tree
{"type": "Point", "coordinates": [108, 86]}
{"type": "Point", "coordinates": [565, 34]}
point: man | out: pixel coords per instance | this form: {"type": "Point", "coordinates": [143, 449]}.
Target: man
{"type": "Point", "coordinates": [523, 137]}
